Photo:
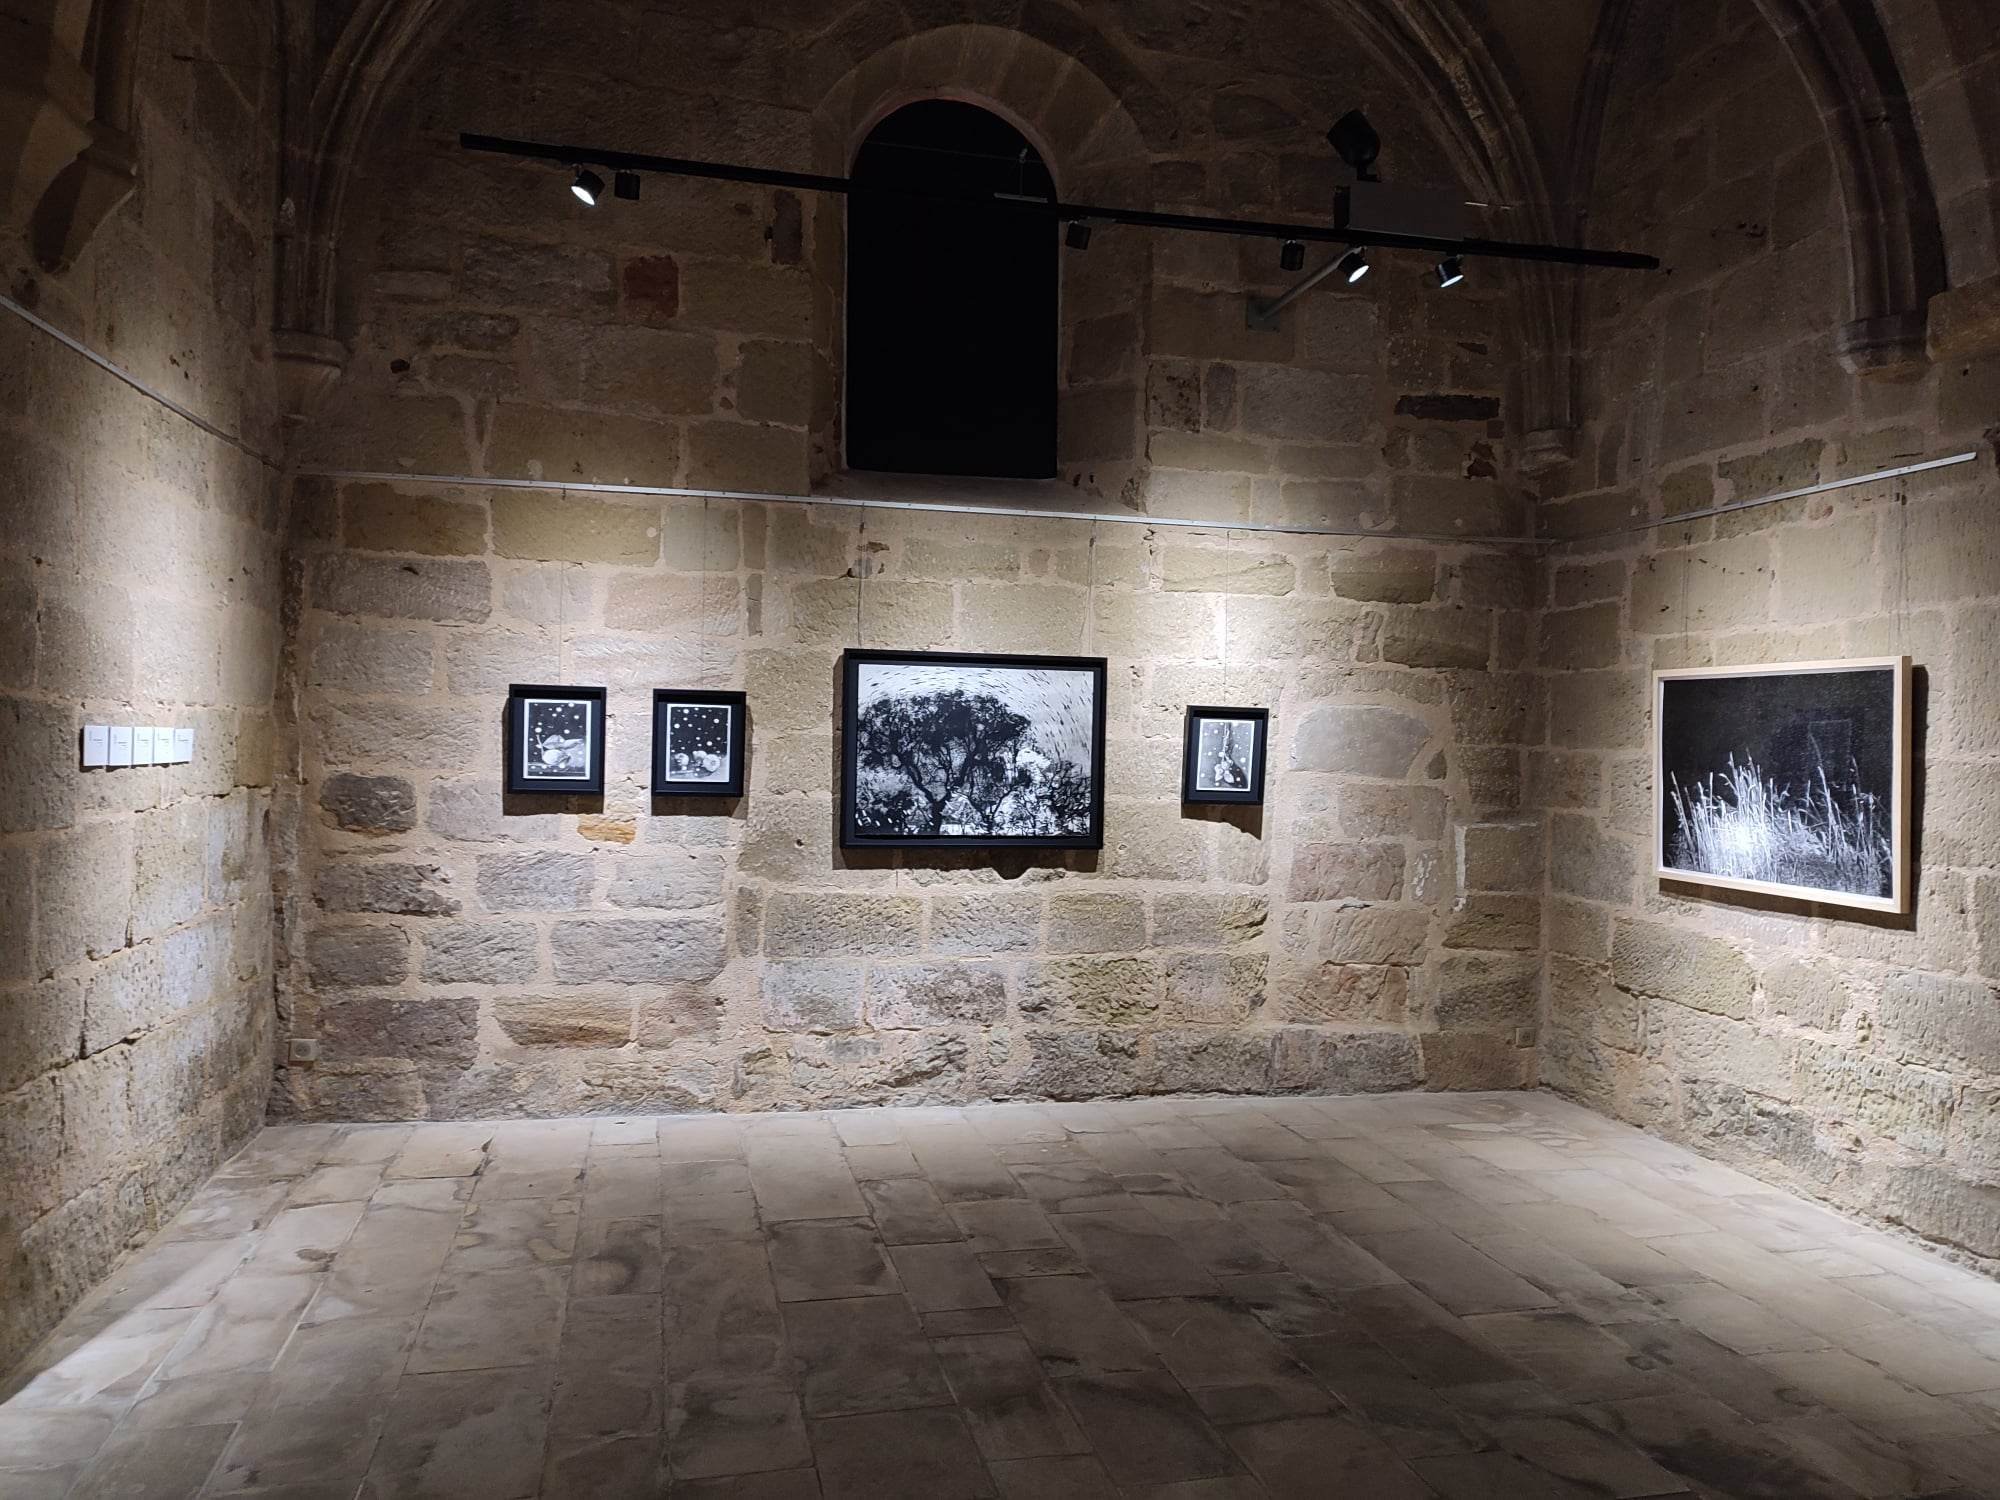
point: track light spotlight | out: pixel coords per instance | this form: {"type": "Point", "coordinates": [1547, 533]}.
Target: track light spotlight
{"type": "Point", "coordinates": [1451, 271]}
{"type": "Point", "coordinates": [1293, 256]}
{"type": "Point", "coordinates": [625, 185]}
{"type": "Point", "coordinates": [1076, 235]}
{"type": "Point", "coordinates": [588, 187]}
{"type": "Point", "coordinates": [1354, 265]}
{"type": "Point", "coordinates": [1356, 143]}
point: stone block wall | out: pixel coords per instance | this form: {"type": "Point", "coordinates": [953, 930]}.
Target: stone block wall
{"type": "Point", "coordinates": [1853, 1056]}
{"type": "Point", "coordinates": [138, 584]}
{"type": "Point", "coordinates": [456, 952]}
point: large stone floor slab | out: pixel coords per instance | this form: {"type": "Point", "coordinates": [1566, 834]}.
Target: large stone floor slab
{"type": "Point", "coordinates": [1468, 1296]}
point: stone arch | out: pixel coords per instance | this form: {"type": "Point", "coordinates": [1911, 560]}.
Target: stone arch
{"type": "Point", "coordinates": [1895, 245]}
{"type": "Point", "coordinates": [1094, 147]}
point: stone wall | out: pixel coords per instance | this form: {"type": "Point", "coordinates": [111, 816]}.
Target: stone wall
{"type": "Point", "coordinates": [465, 953]}
{"type": "Point", "coordinates": [454, 953]}
{"type": "Point", "coordinates": [1852, 1056]}
{"type": "Point", "coordinates": [138, 583]}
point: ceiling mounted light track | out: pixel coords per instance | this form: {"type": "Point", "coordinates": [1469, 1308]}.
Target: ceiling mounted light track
{"type": "Point", "coordinates": [583, 158]}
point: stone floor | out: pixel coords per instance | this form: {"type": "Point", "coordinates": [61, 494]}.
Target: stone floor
{"type": "Point", "coordinates": [1468, 1296]}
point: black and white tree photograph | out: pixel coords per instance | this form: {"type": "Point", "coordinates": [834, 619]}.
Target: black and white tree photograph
{"type": "Point", "coordinates": [1223, 757]}
{"type": "Point", "coordinates": [698, 742]}
{"type": "Point", "coordinates": [944, 749]}
{"type": "Point", "coordinates": [1791, 779]}
{"type": "Point", "coordinates": [555, 739]}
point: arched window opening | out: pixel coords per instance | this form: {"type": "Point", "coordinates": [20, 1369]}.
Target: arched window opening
{"type": "Point", "coordinates": [951, 308]}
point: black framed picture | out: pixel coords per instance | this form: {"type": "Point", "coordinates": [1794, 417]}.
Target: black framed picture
{"type": "Point", "coordinates": [1222, 754]}
{"type": "Point", "coordinates": [1791, 779]}
{"type": "Point", "coordinates": [957, 750]}
{"type": "Point", "coordinates": [698, 742]}
{"type": "Point", "coordinates": [555, 740]}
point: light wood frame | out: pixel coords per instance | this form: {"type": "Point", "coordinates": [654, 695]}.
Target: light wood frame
{"type": "Point", "coordinates": [1898, 899]}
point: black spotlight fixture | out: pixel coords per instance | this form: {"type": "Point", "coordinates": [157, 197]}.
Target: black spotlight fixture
{"type": "Point", "coordinates": [588, 187]}
{"type": "Point", "coordinates": [1451, 270]}
{"type": "Point", "coordinates": [1293, 256]}
{"type": "Point", "coordinates": [1076, 235]}
{"type": "Point", "coordinates": [1356, 143]}
{"type": "Point", "coordinates": [1354, 265]}
{"type": "Point", "coordinates": [625, 185]}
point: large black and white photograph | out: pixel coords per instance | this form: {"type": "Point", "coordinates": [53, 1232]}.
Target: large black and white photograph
{"type": "Point", "coordinates": [1223, 754]}
{"type": "Point", "coordinates": [555, 740]}
{"type": "Point", "coordinates": [698, 743]}
{"type": "Point", "coordinates": [961, 750]}
{"type": "Point", "coordinates": [1791, 779]}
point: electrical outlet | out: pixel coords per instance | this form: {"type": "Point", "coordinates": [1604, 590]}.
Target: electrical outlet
{"type": "Point", "coordinates": [305, 1049]}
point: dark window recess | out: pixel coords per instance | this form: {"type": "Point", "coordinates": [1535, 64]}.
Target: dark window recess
{"type": "Point", "coordinates": [951, 308]}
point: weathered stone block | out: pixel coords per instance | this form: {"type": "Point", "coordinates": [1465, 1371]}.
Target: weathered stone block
{"type": "Point", "coordinates": [475, 812]}
{"type": "Point", "coordinates": [985, 922]}
{"type": "Point", "coordinates": [1096, 923]}
{"type": "Point", "coordinates": [1487, 992]}
{"type": "Point", "coordinates": [1085, 1064]}
{"type": "Point", "coordinates": [1211, 1062]}
{"type": "Point", "coordinates": [368, 804]}
{"type": "Point", "coordinates": [650, 370]}
{"type": "Point", "coordinates": [1374, 811]}
{"type": "Point", "coordinates": [1353, 933]}
{"type": "Point", "coordinates": [349, 957]}
{"type": "Point", "coordinates": [1216, 571]}
{"type": "Point", "coordinates": [1591, 636]}
{"type": "Point", "coordinates": [811, 925]}
{"type": "Point", "coordinates": [638, 951]}
{"type": "Point", "coordinates": [1215, 989]}
{"type": "Point", "coordinates": [916, 616]}
{"type": "Point", "coordinates": [1286, 401]}
{"type": "Point", "coordinates": [356, 658]}
{"type": "Point", "coordinates": [1586, 861]}
{"type": "Point", "coordinates": [535, 524]}
{"type": "Point", "coordinates": [1437, 637]}
{"type": "Point", "coordinates": [438, 1033]}
{"type": "Point", "coordinates": [83, 894]}
{"type": "Point", "coordinates": [677, 1015]}
{"type": "Point", "coordinates": [679, 881]}
{"type": "Point", "coordinates": [1808, 993]}
{"type": "Point", "coordinates": [1671, 963]}
{"type": "Point", "coordinates": [565, 1020]}
{"type": "Point", "coordinates": [409, 890]}
{"type": "Point", "coordinates": [1354, 994]}
{"type": "Point", "coordinates": [382, 518]}
{"type": "Point", "coordinates": [1475, 1060]}
{"type": "Point", "coordinates": [747, 456]}
{"type": "Point", "coordinates": [1322, 1059]}
{"type": "Point", "coordinates": [1117, 991]}
{"type": "Point", "coordinates": [1359, 740]}
{"type": "Point", "coordinates": [481, 953]}
{"type": "Point", "coordinates": [1933, 1020]}
{"type": "Point", "coordinates": [541, 881]}
{"type": "Point", "coordinates": [1326, 870]}
{"type": "Point", "coordinates": [812, 996]}
{"type": "Point", "coordinates": [1495, 921]}
{"type": "Point", "coordinates": [401, 588]}
{"type": "Point", "coordinates": [1207, 921]}
{"type": "Point", "coordinates": [904, 996]}
{"type": "Point", "coordinates": [674, 604]}
{"type": "Point", "coordinates": [1500, 856]}
{"type": "Point", "coordinates": [1396, 575]}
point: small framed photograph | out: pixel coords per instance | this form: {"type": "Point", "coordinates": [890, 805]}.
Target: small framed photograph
{"type": "Point", "coordinates": [698, 742]}
{"type": "Point", "coordinates": [555, 740]}
{"type": "Point", "coordinates": [1791, 779]}
{"type": "Point", "coordinates": [1222, 758]}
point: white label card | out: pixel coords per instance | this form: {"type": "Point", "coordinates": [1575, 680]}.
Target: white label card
{"type": "Point", "coordinates": [183, 746]}
{"type": "Point", "coordinates": [142, 744]}
{"type": "Point", "coordinates": [121, 745]}
{"type": "Point", "coordinates": [96, 745]}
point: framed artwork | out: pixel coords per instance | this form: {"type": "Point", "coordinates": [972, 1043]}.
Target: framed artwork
{"type": "Point", "coordinates": [698, 742]}
{"type": "Point", "coordinates": [953, 750]}
{"type": "Point", "coordinates": [1222, 754]}
{"type": "Point", "coordinates": [555, 740]}
{"type": "Point", "coordinates": [1791, 779]}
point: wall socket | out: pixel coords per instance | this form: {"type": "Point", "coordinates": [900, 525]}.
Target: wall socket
{"type": "Point", "coordinates": [304, 1049]}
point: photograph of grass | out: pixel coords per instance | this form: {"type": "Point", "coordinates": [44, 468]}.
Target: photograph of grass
{"type": "Point", "coordinates": [1791, 779]}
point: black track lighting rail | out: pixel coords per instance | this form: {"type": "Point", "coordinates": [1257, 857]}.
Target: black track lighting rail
{"type": "Point", "coordinates": [1054, 209]}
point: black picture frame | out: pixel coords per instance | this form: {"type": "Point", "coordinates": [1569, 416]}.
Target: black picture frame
{"type": "Point", "coordinates": [522, 773]}
{"type": "Point", "coordinates": [1084, 804]}
{"type": "Point", "coordinates": [1197, 787]}
{"type": "Point", "coordinates": [731, 752]}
